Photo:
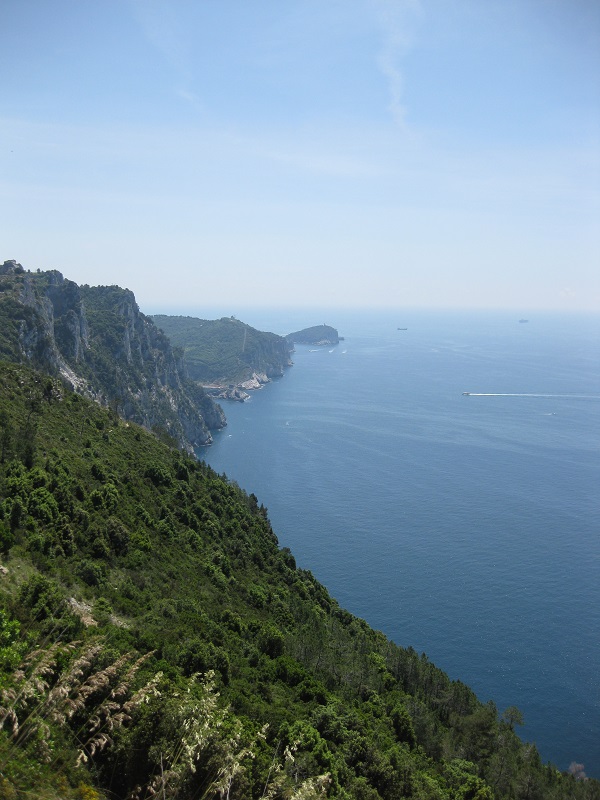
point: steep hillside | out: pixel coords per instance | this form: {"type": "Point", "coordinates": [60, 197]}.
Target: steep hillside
{"type": "Point", "coordinates": [98, 341]}
{"type": "Point", "coordinates": [155, 641]}
{"type": "Point", "coordinates": [226, 351]}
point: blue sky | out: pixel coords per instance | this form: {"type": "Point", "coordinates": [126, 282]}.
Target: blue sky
{"type": "Point", "coordinates": [229, 153]}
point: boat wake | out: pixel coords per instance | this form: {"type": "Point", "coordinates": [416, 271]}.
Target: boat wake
{"type": "Point", "coordinates": [532, 394]}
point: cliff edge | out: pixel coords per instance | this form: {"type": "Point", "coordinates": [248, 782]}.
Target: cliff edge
{"type": "Point", "coordinates": [102, 346]}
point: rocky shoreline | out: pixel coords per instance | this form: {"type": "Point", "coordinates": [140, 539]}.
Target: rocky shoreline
{"type": "Point", "coordinates": [318, 335]}
{"type": "Point", "coordinates": [237, 391]}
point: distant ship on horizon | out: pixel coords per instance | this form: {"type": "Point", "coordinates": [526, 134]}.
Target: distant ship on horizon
{"type": "Point", "coordinates": [523, 320]}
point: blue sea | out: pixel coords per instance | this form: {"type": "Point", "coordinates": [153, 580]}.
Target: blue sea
{"type": "Point", "coordinates": [465, 526]}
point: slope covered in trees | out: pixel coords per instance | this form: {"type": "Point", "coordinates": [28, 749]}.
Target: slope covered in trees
{"type": "Point", "coordinates": [155, 640]}
{"type": "Point", "coordinates": [226, 351]}
{"type": "Point", "coordinates": [318, 335]}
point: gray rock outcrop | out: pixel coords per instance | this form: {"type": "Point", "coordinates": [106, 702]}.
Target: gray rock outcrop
{"type": "Point", "coordinates": [102, 346]}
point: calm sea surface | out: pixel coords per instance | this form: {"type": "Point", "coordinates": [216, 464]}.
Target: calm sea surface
{"type": "Point", "coordinates": [467, 527]}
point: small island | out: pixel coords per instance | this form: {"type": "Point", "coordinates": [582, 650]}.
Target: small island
{"type": "Point", "coordinates": [320, 335]}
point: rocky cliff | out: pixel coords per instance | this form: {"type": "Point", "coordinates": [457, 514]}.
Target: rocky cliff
{"type": "Point", "coordinates": [100, 343]}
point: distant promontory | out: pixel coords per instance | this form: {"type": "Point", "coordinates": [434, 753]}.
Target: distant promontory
{"type": "Point", "coordinates": [226, 356]}
{"type": "Point", "coordinates": [320, 335]}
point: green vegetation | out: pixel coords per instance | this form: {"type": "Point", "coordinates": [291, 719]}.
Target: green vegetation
{"type": "Point", "coordinates": [318, 335]}
{"type": "Point", "coordinates": [225, 351]}
{"type": "Point", "coordinates": [155, 641]}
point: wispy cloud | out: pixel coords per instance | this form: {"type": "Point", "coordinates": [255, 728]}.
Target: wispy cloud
{"type": "Point", "coordinates": [397, 19]}
{"type": "Point", "coordinates": [160, 27]}
{"type": "Point", "coordinates": [189, 97]}
{"type": "Point", "coordinates": [164, 30]}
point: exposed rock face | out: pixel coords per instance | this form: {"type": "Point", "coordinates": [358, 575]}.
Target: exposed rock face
{"type": "Point", "coordinates": [229, 393]}
{"type": "Point", "coordinates": [11, 267]}
{"type": "Point", "coordinates": [318, 335]}
{"type": "Point", "coordinates": [97, 339]}
{"type": "Point", "coordinates": [70, 323]}
{"type": "Point", "coordinates": [256, 381]}
{"type": "Point", "coordinates": [52, 330]}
